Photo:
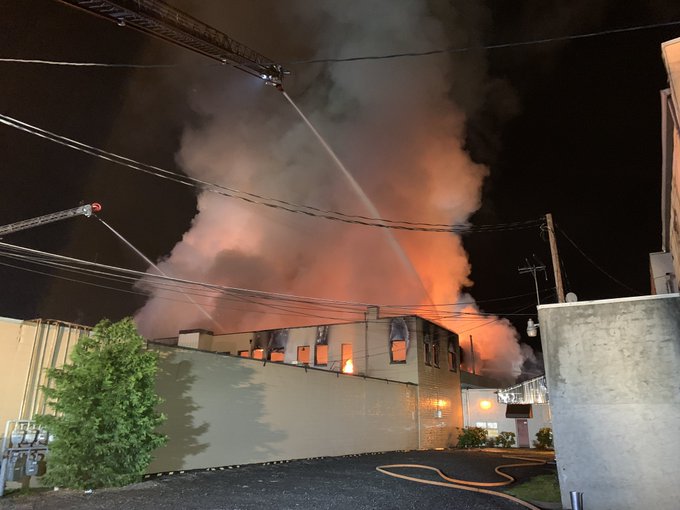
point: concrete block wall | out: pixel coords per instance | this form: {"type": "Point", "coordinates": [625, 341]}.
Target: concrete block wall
{"type": "Point", "coordinates": [225, 410]}
{"type": "Point", "coordinates": [613, 373]}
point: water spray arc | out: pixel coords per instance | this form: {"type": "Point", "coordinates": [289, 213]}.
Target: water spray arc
{"type": "Point", "coordinates": [365, 200]}
{"type": "Point", "coordinates": [158, 270]}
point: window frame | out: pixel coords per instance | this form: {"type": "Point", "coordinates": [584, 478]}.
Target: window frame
{"type": "Point", "coordinates": [316, 355]}
{"type": "Point", "coordinates": [308, 356]}
{"type": "Point", "coordinates": [343, 358]}
{"type": "Point", "coordinates": [392, 350]}
{"type": "Point", "coordinates": [436, 353]}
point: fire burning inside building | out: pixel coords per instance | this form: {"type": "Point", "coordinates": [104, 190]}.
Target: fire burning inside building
{"type": "Point", "coordinates": [400, 134]}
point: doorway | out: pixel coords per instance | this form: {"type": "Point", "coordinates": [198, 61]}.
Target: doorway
{"type": "Point", "coordinates": [522, 433]}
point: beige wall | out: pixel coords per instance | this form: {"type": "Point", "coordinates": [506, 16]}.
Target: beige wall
{"type": "Point", "coordinates": [225, 410]}
{"type": "Point", "coordinates": [27, 348]}
{"type": "Point", "coordinates": [439, 390]}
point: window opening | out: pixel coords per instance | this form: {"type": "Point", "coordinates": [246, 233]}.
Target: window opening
{"type": "Point", "coordinates": [276, 355]}
{"type": "Point", "coordinates": [303, 354]}
{"type": "Point", "coordinates": [451, 354]}
{"type": "Point", "coordinates": [398, 351]}
{"type": "Point", "coordinates": [346, 356]}
{"type": "Point", "coordinates": [321, 355]}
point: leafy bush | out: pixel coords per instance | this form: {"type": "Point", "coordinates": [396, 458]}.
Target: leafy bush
{"type": "Point", "coordinates": [505, 440]}
{"type": "Point", "coordinates": [491, 442]}
{"type": "Point", "coordinates": [105, 410]}
{"type": "Point", "coordinates": [544, 438]}
{"type": "Point", "coordinates": [472, 437]}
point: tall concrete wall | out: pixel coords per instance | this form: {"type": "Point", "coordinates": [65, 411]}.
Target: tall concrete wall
{"type": "Point", "coordinates": [225, 410]}
{"type": "Point", "coordinates": [613, 373]}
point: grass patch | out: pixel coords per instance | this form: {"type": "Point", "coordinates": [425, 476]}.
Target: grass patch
{"type": "Point", "coordinates": [539, 488]}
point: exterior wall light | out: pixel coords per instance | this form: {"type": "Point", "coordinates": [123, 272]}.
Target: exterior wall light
{"type": "Point", "coordinates": [485, 404]}
{"type": "Point", "coordinates": [532, 328]}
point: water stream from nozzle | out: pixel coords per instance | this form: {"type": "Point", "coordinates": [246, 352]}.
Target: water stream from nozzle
{"type": "Point", "coordinates": [158, 270]}
{"type": "Point", "coordinates": [365, 200]}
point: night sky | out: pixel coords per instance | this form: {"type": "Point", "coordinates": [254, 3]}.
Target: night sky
{"type": "Point", "coordinates": [571, 128]}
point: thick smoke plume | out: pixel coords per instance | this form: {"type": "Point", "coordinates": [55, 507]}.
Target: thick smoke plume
{"type": "Point", "coordinates": [397, 129]}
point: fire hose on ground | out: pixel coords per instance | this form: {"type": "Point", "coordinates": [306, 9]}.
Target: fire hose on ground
{"type": "Point", "coordinates": [466, 485]}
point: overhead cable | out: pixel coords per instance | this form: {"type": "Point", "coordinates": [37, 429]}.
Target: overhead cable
{"type": "Point", "coordinates": [256, 198]}
{"type": "Point", "coordinates": [183, 286]}
{"type": "Point", "coordinates": [596, 265]}
{"type": "Point", "coordinates": [358, 58]}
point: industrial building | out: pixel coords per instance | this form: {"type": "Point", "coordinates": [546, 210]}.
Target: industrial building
{"type": "Point", "coordinates": [380, 384]}
{"type": "Point", "coordinates": [384, 383]}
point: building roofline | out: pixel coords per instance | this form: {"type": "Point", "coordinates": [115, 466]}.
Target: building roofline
{"type": "Point", "coordinates": [280, 363]}
{"type": "Point", "coordinates": [607, 301]}
{"type": "Point", "coordinates": [346, 323]}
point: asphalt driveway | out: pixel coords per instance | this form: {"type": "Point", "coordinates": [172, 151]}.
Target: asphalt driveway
{"type": "Point", "coordinates": [319, 484]}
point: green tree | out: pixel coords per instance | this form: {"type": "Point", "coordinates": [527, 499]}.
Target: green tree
{"type": "Point", "coordinates": [104, 402]}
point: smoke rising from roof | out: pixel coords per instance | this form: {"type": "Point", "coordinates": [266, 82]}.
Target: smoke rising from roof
{"type": "Point", "coordinates": [394, 125]}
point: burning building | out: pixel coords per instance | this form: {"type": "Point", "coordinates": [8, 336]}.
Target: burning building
{"type": "Point", "coordinates": [380, 384]}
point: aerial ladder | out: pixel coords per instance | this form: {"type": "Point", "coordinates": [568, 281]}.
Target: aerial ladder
{"type": "Point", "coordinates": [83, 210]}
{"type": "Point", "coordinates": [165, 22]}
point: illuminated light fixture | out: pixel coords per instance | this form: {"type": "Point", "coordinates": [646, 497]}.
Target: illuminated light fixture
{"type": "Point", "coordinates": [532, 328]}
{"type": "Point", "coordinates": [441, 403]}
{"type": "Point", "coordinates": [485, 404]}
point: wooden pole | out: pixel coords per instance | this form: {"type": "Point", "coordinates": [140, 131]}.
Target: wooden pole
{"type": "Point", "coordinates": [555, 258]}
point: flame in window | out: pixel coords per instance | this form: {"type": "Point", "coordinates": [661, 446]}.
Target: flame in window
{"type": "Point", "coordinates": [348, 368]}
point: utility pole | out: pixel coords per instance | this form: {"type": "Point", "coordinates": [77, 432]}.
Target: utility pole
{"type": "Point", "coordinates": [533, 269]}
{"type": "Point", "coordinates": [555, 258]}
{"type": "Point", "coordinates": [472, 354]}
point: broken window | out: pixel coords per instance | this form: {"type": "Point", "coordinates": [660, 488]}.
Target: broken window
{"type": "Point", "coordinates": [428, 336]}
{"type": "Point", "coordinates": [435, 353]}
{"type": "Point", "coordinates": [276, 355]}
{"type": "Point", "coordinates": [321, 355]}
{"type": "Point", "coordinates": [399, 340]}
{"type": "Point", "coordinates": [244, 353]}
{"type": "Point", "coordinates": [398, 351]}
{"type": "Point", "coordinates": [303, 354]}
{"type": "Point", "coordinates": [258, 353]}
{"type": "Point", "coordinates": [451, 353]}
{"type": "Point", "coordinates": [346, 357]}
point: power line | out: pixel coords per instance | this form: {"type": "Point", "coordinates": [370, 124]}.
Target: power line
{"type": "Point", "coordinates": [254, 198]}
{"type": "Point", "coordinates": [179, 285]}
{"type": "Point", "coordinates": [466, 49]}
{"type": "Point", "coordinates": [596, 265]}
{"type": "Point", "coordinates": [358, 58]}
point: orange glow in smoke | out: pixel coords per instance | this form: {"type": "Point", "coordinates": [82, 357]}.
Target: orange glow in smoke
{"type": "Point", "coordinates": [348, 368]}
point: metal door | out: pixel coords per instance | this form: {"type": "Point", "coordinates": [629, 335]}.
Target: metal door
{"type": "Point", "coordinates": [522, 433]}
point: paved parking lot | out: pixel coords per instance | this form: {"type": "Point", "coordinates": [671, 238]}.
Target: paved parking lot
{"type": "Point", "coordinates": [327, 483]}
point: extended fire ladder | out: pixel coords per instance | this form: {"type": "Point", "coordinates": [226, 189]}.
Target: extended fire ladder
{"type": "Point", "coordinates": [165, 22]}
{"type": "Point", "coordinates": [84, 210]}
